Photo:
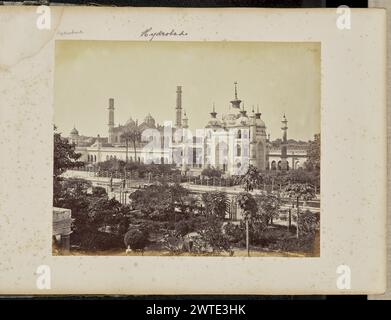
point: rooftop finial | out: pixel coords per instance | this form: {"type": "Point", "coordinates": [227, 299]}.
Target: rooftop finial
{"type": "Point", "coordinates": [236, 90]}
{"type": "Point", "coordinates": [213, 113]}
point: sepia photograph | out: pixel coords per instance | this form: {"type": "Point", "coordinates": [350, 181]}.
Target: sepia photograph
{"type": "Point", "coordinates": [169, 148]}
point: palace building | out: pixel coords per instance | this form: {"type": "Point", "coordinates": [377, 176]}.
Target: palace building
{"type": "Point", "coordinates": [229, 143]}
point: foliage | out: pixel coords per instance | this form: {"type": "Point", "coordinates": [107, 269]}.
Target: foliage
{"type": "Point", "coordinates": [235, 233]}
{"type": "Point", "coordinates": [251, 179]}
{"type": "Point", "coordinates": [297, 191]}
{"type": "Point", "coordinates": [211, 172]}
{"type": "Point", "coordinates": [216, 203]}
{"type": "Point", "coordinates": [248, 204]}
{"type": "Point", "coordinates": [139, 169]}
{"type": "Point", "coordinates": [309, 223]}
{"type": "Point", "coordinates": [136, 239]}
{"type": "Point", "coordinates": [213, 235]}
{"type": "Point", "coordinates": [64, 156]}
{"type": "Point", "coordinates": [313, 152]}
{"type": "Point", "coordinates": [268, 207]}
{"type": "Point", "coordinates": [133, 135]}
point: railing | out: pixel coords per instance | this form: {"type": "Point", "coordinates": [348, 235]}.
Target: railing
{"type": "Point", "coordinates": [148, 177]}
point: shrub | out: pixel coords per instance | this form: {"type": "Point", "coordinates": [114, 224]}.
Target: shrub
{"type": "Point", "coordinates": [96, 240]}
{"type": "Point", "coordinates": [211, 172]}
{"type": "Point", "coordinates": [136, 239]}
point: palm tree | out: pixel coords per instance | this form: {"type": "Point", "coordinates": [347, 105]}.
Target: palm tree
{"type": "Point", "coordinates": [251, 178]}
{"type": "Point", "coordinates": [133, 135]}
{"type": "Point", "coordinates": [216, 203]}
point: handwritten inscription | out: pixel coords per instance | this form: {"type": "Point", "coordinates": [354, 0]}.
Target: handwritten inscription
{"type": "Point", "coordinates": [70, 32]}
{"type": "Point", "coordinates": [151, 34]}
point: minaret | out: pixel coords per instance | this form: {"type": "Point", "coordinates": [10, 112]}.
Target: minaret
{"type": "Point", "coordinates": [236, 102]}
{"type": "Point", "coordinates": [284, 155]}
{"type": "Point", "coordinates": [111, 120]}
{"type": "Point", "coordinates": [178, 106]}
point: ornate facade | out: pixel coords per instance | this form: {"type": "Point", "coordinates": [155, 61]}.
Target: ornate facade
{"type": "Point", "coordinates": [229, 143]}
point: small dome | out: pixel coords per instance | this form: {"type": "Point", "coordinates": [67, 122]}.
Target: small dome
{"type": "Point", "coordinates": [259, 123]}
{"type": "Point", "coordinates": [230, 119]}
{"type": "Point", "coordinates": [243, 120]}
{"type": "Point", "coordinates": [214, 122]}
{"type": "Point", "coordinates": [130, 122]}
{"type": "Point", "coordinates": [149, 121]}
{"type": "Point", "coordinates": [74, 132]}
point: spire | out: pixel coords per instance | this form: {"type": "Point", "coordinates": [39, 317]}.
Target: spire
{"type": "Point", "coordinates": [185, 120]}
{"type": "Point", "coordinates": [258, 114]}
{"type": "Point", "coordinates": [243, 112]}
{"type": "Point", "coordinates": [213, 113]}
{"type": "Point", "coordinates": [236, 102]}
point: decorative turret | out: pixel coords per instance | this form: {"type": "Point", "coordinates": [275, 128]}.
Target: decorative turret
{"type": "Point", "coordinates": [185, 121]}
{"type": "Point", "coordinates": [236, 102]}
{"type": "Point", "coordinates": [213, 122]}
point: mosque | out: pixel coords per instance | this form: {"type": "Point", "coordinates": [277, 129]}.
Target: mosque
{"type": "Point", "coordinates": [229, 143]}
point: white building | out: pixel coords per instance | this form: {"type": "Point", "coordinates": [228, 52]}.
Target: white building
{"type": "Point", "coordinates": [229, 143]}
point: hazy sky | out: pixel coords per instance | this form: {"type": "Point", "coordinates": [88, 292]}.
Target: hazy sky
{"type": "Point", "coordinates": [142, 77]}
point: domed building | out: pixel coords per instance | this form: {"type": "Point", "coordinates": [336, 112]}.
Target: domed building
{"type": "Point", "coordinates": [236, 141]}
{"type": "Point", "coordinates": [229, 143]}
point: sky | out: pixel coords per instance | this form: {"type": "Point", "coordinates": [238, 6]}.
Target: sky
{"type": "Point", "coordinates": [142, 77]}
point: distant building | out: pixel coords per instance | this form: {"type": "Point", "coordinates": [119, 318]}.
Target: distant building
{"type": "Point", "coordinates": [226, 143]}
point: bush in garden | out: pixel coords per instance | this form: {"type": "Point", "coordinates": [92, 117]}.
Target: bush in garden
{"type": "Point", "coordinates": [136, 239]}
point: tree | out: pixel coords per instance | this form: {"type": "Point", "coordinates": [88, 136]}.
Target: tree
{"type": "Point", "coordinates": [133, 135]}
{"type": "Point", "coordinates": [268, 207]}
{"type": "Point", "coordinates": [250, 179]}
{"type": "Point", "coordinates": [216, 203]}
{"type": "Point", "coordinates": [297, 192]}
{"type": "Point", "coordinates": [313, 153]}
{"type": "Point", "coordinates": [213, 235]}
{"type": "Point", "coordinates": [300, 191]}
{"type": "Point", "coordinates": [65, 156]}
{"type": "Point", "coordinates": [249, 206]}
{"type": "Point", "coordinates": [136, 239]}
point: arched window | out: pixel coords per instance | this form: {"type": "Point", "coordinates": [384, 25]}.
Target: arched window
{"type": "Point", "coordinates": [139, 159]}
{"type": "Point", "coordinates": [115, 157]}
{"type": "Point", "coordinates": [273, 165]}
{"type": "Point", "coordinates": [94, 158]}
{"type": "Point", "coordinates": [238, 151]}
{"type": "Point", "coordinates": [239, 134]}
{"type": "Point", "coordinates": [111, 157]}
{"type": "Point", "coordinates": [279, 165]}
{"type": "Point", "coordinates": [107, 157]}
{"type": "Point", "coordinates": [162, 160]}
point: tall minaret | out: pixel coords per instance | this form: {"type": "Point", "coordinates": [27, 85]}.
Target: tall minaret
{"type": "Point", "coordinates": [284, 155]}
{"type": "Point", "coordinates": [178, 106]}
{"type": "Point", "coordinates": [111, 120]}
